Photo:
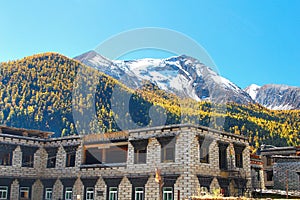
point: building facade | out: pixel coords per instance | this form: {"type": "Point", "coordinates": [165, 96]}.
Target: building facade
{"type": "Point", "coordinates": [123, 165]}
{"type": "Point", "coordinates": [257, 173]}
{"type": "Point", "coordinates": [281, 167]}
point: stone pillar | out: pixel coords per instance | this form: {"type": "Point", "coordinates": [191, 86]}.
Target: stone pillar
{"type": "Point", "coordinates": [101, 187]}
{"type": "Point", "coordinates": [130, 154]}
{"type": "Point", "coordinates": [37, 190]}
{"type": "Point", "coordinates": [78, 189]}
{"type": "Point", "coordinates": [79, 156]}
{"type": "Point", "coordinates": [125, 189]}
{"type": "Point", "coordinates": [151, 189]}
{"type": "Point", "coordinates": [14, 190]}
{"type": "Point", "coordinates": [186, 149]}
{"type": "Point", "coordinates": [247, 166]}
{"type": "Point", "coordinates": [214, 157]}
{"type": "Point", "coordinates": [40, 160]}
{"type": "Point", "coordinates": [262, 180]}
{"type": "Point", "coordinates": [17, 157]}
{"type": "Point", "coordinates": [60, 158]}
{"type": "Point", "coordinates": [153, 153]}
{"type": "Point", "coordinates": [232, 190]}
{"type": "Point", "coordinates": [58, 190]}
{"type": "Point", "coordinates": [214, 185]}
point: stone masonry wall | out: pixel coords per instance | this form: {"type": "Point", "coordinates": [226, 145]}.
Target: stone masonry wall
{"type": "Point", "coordinates": [281, 174]}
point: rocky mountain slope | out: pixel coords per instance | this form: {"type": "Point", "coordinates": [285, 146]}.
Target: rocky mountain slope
{"type": "Point", "coordinates": [184, 76]}
{"type": "Point", "coordinates": [276, 97]}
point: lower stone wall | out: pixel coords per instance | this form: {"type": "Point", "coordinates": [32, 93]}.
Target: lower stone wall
{"type": "Point", "coordinates": [37, 190]}
{"type": "Point", "coordinates": [101, 189]}
{"type": "Point", "coordinates": [152, 189]}
{"type": "Point", "coordinates": [285, 170]}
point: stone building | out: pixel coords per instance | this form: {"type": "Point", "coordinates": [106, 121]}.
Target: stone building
{"type": "Point", "coordinates": [281, 167]}
{"type": "Point", "coordinates": [122, 165]}
{"type": "Point", "coordinates": [257, 173]}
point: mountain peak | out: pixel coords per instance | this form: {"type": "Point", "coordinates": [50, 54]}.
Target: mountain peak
{"type": "Point", "coordinates": [182, 75]}
{"type": "Point", "coordinates": [252, 90]}
{"type": "Point", "coordinates": [275, 96]}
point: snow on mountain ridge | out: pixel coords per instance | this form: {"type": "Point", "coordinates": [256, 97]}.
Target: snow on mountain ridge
{"type": "Point", "coordinates": [275, 97]}
{"type": "Point", "coordinates": [252, 90]}
{"type": "Point", "coordinates": [185, 76]}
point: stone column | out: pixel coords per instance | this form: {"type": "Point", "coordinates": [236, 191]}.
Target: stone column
{"type": "Point", "coordinates": [78, 189]}
{"type": "Point", "coordinates": [125, 189]}
{"type": "Point", "coordinates": [40, 160]}
{"type": "Point", "coordinates": [151, 189]}
{"type": "Point", "coordinates": [79, 156]}
{"type": "Point", "coordinates": [100, 187]}
{"type": "Point", "coordinates": [14, 190]}
{"type": "Point", "coordinates": [37, 190]}
{"type": "Point", "coordinates": [214, 185]}
{"type": "Point", "coordinates": [153, 153]}
{"type": "Point", "coordinates": [57, 190]}
{"type": "Point", "coordinates": [17, 157]}
{"type": "Point", "coordinates": [130, 154]}
{"type": "Point", "coordinates": [60, 158]}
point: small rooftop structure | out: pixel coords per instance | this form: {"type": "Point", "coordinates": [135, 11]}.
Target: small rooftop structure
{"type": "Point", "coordinates": [25, 132]}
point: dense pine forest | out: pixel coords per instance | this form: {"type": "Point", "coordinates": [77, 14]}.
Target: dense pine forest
{"type": "Point", "coordinates": [54, 93]}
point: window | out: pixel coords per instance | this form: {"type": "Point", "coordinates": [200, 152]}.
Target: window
{"type": "Point", "coordinates": [113, 154]}
{"type": "Point", "coordinates": [68, 193]}
{"type": "Point", "coordinates": [70, 155]}
{"type": "Point", "coordinates": [140, 151]}
{"type": "Point", "coordinates": [51, 161]}
{"type": "Point", "coordinates": [140, 156]}
{"type": "Point", "coordinates": [239, 160]}
{"type": "Point", "coordinates": [70, 160]}
{"type": "Point", "coordinates": [27, 160]}
{"type": "Point", "coordinates": [24, 192]}
{"type": "Point", "coordinates": [139, 193]}
{"type": "Point", "coordinates": [48, 193]}
{"type": "Point", "coordinates": [167, 149]}
{"type": "Point", "coordinates": [223, 156]}
{"type": "Point", "coordinates": [257, 174]}
{"type": "Point", "coordinates": [6, 153]}
{"type": "Point", "coordinates": [28, 155]}
{"type": "Point", "coordinates": [269, 161]}
{"type": "Point", "coordinates": [204, 149]}
{"type": "Point", "coordinates": [3, 192]}
{"type": "Point", "coordinates": [89, 193]}
{"type": "Point", "coordinates": [5, 158]}
{"type": "Point", "coordinates": [113, 193]}
{"type": "Point", "coordinates": [270, 176]}
{"type": "Point", "coordinates": [238, 150]}
{"type": "Point", "coordinates": [167, 193]}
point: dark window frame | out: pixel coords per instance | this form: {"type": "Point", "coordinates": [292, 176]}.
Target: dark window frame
{"type": "Point", "coordinates": [204, 144]}
{"type": "Point", "coordinates": [70, 155]}
{"type": "Point", "coordinates": [6, 154]}
{"type": "Point", "coordinates": [140, 156]}
{"type": "Point", "coordinates": [28, 156]}
{"type": "Point", "coordinates": [223, 162]}
{"type": "Point", "coordinates": [168, 144]}
{"type": "Point", "coordinates": [51, 159]}
{"type": "Point", "coordinates": [269, 175]}
{"type": "Point", "coordinates": [238, 151]}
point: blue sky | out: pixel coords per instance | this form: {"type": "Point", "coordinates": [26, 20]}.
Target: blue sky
{"type": "Point", "coordinates": [250, 41]}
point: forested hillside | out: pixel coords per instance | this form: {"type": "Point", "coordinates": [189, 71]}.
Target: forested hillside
{"type": "Point", "coordinates": [38, 92]}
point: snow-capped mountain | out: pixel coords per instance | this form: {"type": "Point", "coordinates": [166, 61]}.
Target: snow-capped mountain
{"type": "Point", "coordinates": [276, 97]}
{"type": "Point", "coordinates": [181, 75]}
{"type": "Point", "coordinates": [252, 90]}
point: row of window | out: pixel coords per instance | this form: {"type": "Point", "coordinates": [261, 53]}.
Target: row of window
{"type": "Point", "coordinates": [118, 154]}
{"type": "Point", "coordinates": [24, 192]}
{"type": "Point", "coordinates": [89, 194]}
{"type": "Point", "coordinates": [28, 157]}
